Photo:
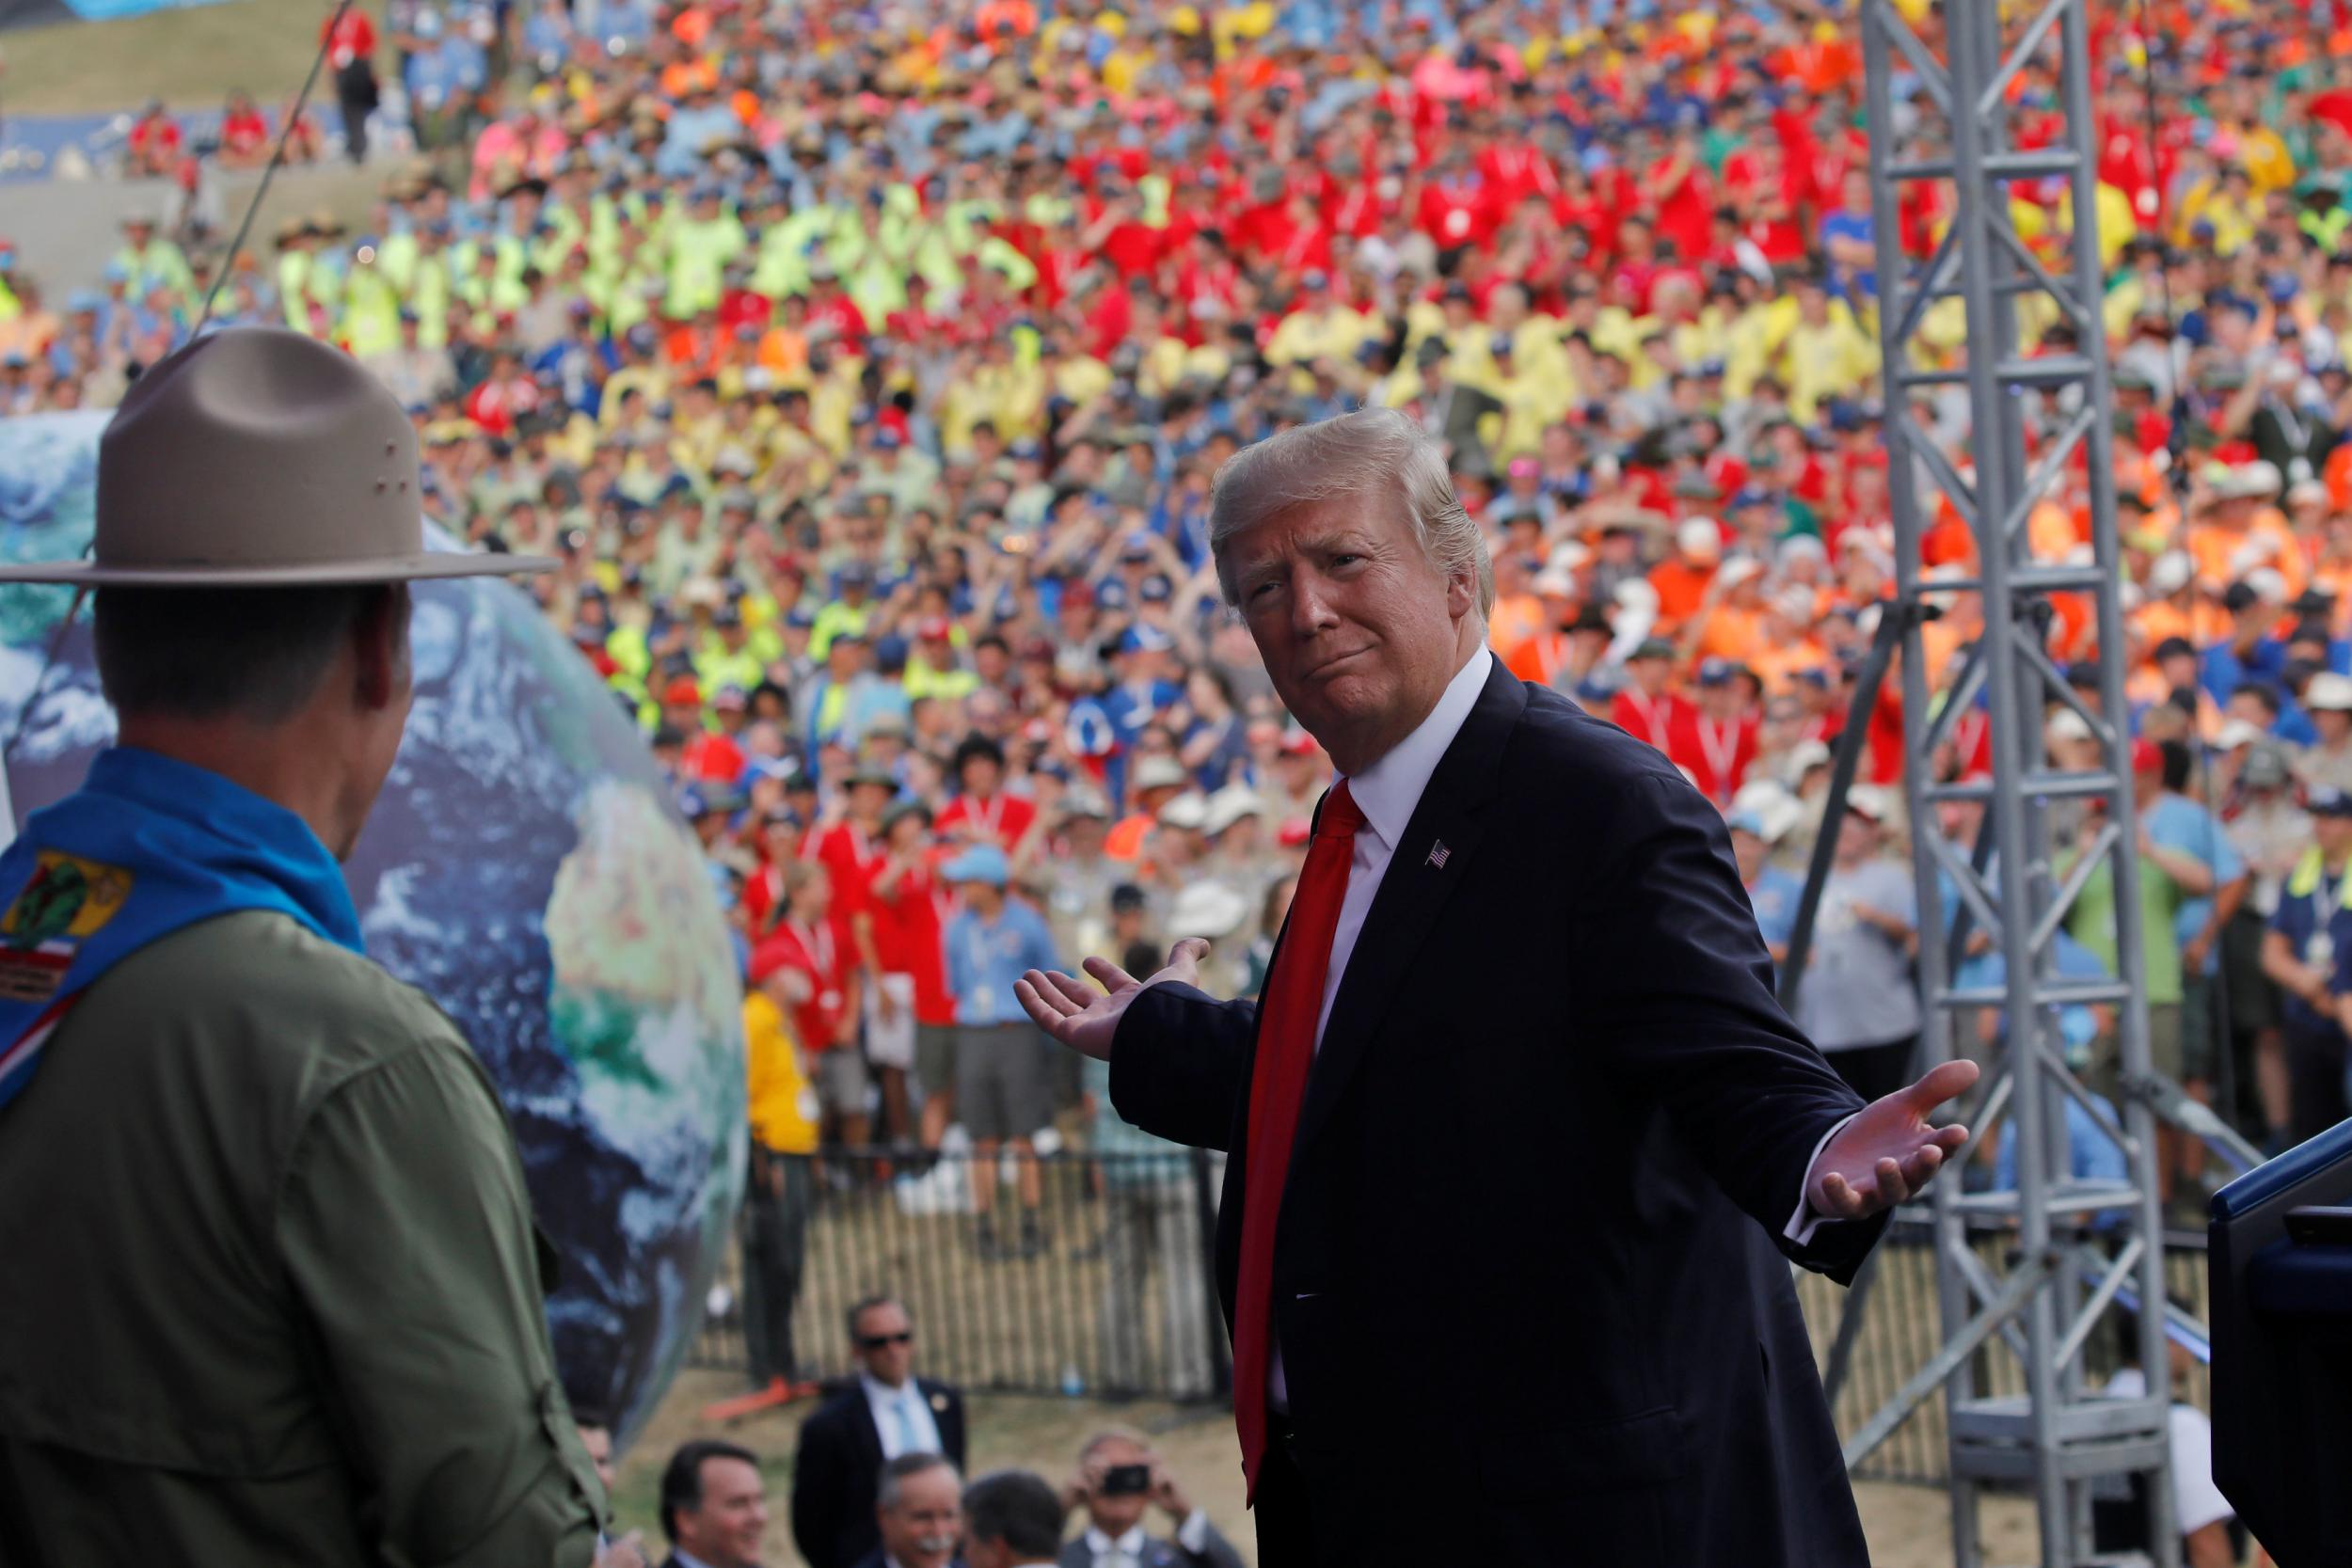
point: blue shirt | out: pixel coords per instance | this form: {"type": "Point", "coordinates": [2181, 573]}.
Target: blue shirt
{"type": "Point", "coordinates": [2090, 1154]}
{"type": "Point", "coordinates": [2177, 822]}
{"type": "Point", "coordinates": [2069, 961]}
{"type": "Point", "coordinates": [2307, 905]}
{"type": "Point", "coordinates": [1774, 896]}
{"type": "Point", "coordinates": [985, 958]}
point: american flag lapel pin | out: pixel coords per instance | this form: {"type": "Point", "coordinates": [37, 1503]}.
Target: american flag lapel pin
{"type": "Point", "coordinates": [1437, 852]}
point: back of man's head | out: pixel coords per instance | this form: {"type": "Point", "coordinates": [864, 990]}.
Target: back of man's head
{"type": "Point", "coordinates": [1010, 1518]}
{"type": "Point", "coordinates": [254, 653]}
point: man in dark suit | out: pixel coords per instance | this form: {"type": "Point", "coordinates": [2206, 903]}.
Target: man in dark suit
{"type": "Point", "coordinates": [919, 1508]}
{"type": "Point", "coordinates": [887, 1411]}
{"type": "Point", "coordinates": [1120, 1480]}
{"type": "Point", "coordinates": [714, 1507]}
{"type": "Point", "coordinates": [1517, 1115]}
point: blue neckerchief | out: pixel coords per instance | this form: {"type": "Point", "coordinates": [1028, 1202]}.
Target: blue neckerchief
{"type": "Point", "coordinates": [146, 847]}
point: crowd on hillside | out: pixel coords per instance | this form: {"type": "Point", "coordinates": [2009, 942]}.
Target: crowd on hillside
{"type": "Point", "coordinates": [868, 367]}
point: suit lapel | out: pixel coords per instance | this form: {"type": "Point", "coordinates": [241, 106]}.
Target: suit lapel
{"type": "Point", "coordinates": [1451, 817]}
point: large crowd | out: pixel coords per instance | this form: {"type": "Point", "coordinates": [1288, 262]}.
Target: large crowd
{"type": "Point", "coordinates": [868, 368]}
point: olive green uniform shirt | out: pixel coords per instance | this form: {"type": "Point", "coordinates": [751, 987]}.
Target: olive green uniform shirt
{"type": "Point", "coordinates": [269, 1289]}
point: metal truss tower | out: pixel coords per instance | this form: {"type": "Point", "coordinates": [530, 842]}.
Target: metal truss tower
{"type": "Point", "coordinates": [1950, 131]}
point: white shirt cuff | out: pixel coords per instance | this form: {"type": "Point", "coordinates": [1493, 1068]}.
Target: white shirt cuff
{"type": "Point", "coordinates": [1193, 1534]}
{"type": "Point", "coordinates": [1804, 1222]}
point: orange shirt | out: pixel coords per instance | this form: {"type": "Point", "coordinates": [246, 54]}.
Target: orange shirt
{"type": "Point", "coordinates": [1516, 618]}
{"type": "Point", "coordinates": [1681, 589]}
{"type": "Point", "coordinates": [1539, 658]}
{"type": "Point", "coordinates": [2216, 549]}
{"type": "Point", "coordinates": [1732, 633]}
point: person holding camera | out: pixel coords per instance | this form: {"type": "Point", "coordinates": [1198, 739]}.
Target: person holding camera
{"type": "Point", "coordinates": [1119, 1482]}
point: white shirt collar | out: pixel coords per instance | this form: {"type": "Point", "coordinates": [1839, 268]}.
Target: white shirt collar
{"type": "Point", "coordinates": [1131, 1543]}
{"type": "Point", "coordinates": [1388, 791]}
{"type": "Point", "coordinates": [881, 1395]}
{"type": "Point", "coordinates": [687, 1560]}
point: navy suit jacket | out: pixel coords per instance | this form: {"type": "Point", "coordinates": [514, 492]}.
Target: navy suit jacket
{"type": "Point", "coordinates": [837, 1473]}
{"type": "Point", "coordinates": [1526, 1283]}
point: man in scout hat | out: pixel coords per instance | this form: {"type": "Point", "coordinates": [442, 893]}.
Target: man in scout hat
{"type": "Point", "coordinates": [272, 1293]}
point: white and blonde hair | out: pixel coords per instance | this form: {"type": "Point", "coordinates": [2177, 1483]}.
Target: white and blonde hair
{"type": "Point", "coordinates": [1373, 451]}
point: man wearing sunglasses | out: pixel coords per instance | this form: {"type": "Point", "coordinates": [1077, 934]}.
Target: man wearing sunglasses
{"type": "Point", "coordinates": [888, 1412]}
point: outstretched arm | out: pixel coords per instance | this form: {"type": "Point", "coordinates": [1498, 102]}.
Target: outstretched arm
{"type": "Point", "coordinates": [1677, 987]}
{"type": "Point", "coordinates": [1180, 1059]}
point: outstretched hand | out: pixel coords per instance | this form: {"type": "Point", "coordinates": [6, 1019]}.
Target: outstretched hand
{"type": "Point", "coordinates": [1087, 1020]}
{"type": "Point", "coordinates": [1889, 1151]}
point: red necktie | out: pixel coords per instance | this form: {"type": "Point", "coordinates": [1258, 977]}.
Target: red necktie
{"type": "Point", "coordinates": [1287, 1016]}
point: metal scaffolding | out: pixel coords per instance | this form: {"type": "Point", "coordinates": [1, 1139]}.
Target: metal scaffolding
{"type": "Point", "coordinates": [1950, 130]}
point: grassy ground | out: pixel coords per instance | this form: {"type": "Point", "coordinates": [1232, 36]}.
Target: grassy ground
{"type": "Point", "coordinates": [189, 58]}
{"type": "Point", "coordinates": [1909, 1527]}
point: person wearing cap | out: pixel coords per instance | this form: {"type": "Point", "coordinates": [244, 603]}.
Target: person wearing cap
{"type": "Point", "coordinates": [843, 691]}
{"type": "Point", "coordinates": [2270, 830]}
{"type": "Point", "coordinates": [932, 669]}
{"type": "Point", "coordinates": [1715, 740]}
{"type": "Point", "coordinates": [2169, 877]}
{"type": "Point", "coordinates": [1683, 579]}
{"type": "Point", "coordinates": [1648, 706]}
{"type": "Point", "coordinates": [1773, 892]}
{"type": "Point", "coordinates": [1544, 655]}
{"type": "Point", "coordinates": [1154, 780]}
{"type": "Point", "coordinates": [1486, 850]}
{"type": "Point", "coordinates": [1858, 1002]}
{"type": "Point", "coordinates": [2304, 954]}
{"type": "Point", "coordinates": [1002, 1093]}
{"type": "Point", "coordinates": [851, 611]}
{"type": "Point", "coordinates": [2327, 762]}
{"type": "Point", "coordinates": [2184, 829]}
{"type": "Point", "coordinates": [196, 1044]}
{"type": "Point", "coordinates": [912, 1016]}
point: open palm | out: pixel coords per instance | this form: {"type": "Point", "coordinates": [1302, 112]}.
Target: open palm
{"type": "Point", "coordinates": [1086, 1017]}
{"type": "Point", "coordinates": [1889, 1151]}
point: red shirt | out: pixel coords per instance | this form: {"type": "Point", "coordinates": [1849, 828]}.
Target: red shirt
{"type": "Point", "coordinates": [851, 860]}
{"type": "Point", "coordinates": [353, 37]}
{"type": "Point", "coordinates": [1646, 718]}
{"type": "Point", "coordinates": [820, 956]}
{"type": "Point", "coordinates": [1716, 753]}
{"type": "Point", "coordinates": [243, 131]}
{"type": "Point", "coordinates": [1001, 819]}
{"type": "Point", "coordinates": [907, 925]}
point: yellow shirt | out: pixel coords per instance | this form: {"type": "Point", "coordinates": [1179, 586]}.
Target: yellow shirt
{"type": "Point", "coordinates": [783, 1109]}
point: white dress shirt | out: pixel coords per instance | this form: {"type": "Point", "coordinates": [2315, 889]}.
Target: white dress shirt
{"type": "Point", "coordinates": [1127, 1550]}
{"type": "Point", "coordinates": [916, 1434]}
{"type": "Point", "coordinates": [1388, 793]}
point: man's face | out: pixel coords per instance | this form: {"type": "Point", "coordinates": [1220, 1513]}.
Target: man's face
{"type": "Point", "coordinates": [886, 1343]}
{"type": "Point", "coordinates": [1114, 1516]}
{"type": "Point", "coordinates": [1359, 632]}
{"type": "Point", "coordinates": [2334, 835]}
{"type": "Point", "coordinates": [923, 1530]}
{"type": "Point", "coordinates": [724, 1530]}
{"type": "Point", "coordinates": [598, 1442]}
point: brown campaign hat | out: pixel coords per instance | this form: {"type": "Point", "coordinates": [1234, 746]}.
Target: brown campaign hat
{"type": "Point", "coordinates": [256, 457]}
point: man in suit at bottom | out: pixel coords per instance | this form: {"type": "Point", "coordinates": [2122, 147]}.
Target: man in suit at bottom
{"type": "Point", "coordinates": [887, 1411]}
{"type": "Point", "coordinates": [919, 1508]}
{"type": "Point", "coordinates": [1013, 1520]}
{"type": "Point", "coordinates": [1517, 1091]}
{"type": "Point", "coordinates": [714, 1506]}
{"type": "Point", "coordinates": [1120, 1480]}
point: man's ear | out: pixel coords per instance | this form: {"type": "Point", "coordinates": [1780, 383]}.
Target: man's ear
{"type": "Point", "coordinates": [380, 647]}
